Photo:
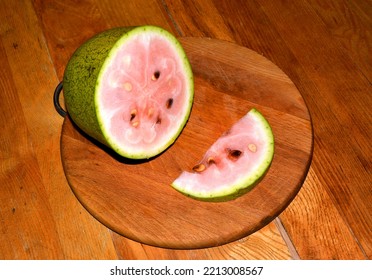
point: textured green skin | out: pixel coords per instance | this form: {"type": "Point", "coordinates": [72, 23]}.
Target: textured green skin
{"type": "Point", "coordinates": [80, 80]}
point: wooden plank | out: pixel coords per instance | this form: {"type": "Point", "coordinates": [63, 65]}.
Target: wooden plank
{"type": "Point", "coordinates": [135, 13]}
{"type": "Point", "coordinates": [198, 19]}
{"type": "Point", "coordinates": [349, 23]}
{"type": "Point", "coordinates": [342, 137]}
{"type": "Point", "coordinates": [67, 24]}
{"type": "Point", "coordinates": [311, 216]}
{"type": "Point", "coordinates": [27, 227]}
{"type": "Point", "coordinates": [42, 127]}
{"type": "Point", "coordinates": [285, 34]}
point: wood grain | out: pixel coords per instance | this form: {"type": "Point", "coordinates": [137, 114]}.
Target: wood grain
{"type": "Point", "coordinates": [257, 246]}
{"type": "Point", "coordinates": [307, 227]}
{"type": "Point", "coordinates": [136, 200]}
{"type": "Point", "coordinates": [21, 210]}
{"type": "Point", "coordinates": [336, 129]}
{"type": "Point", "coordinates": [350, 28]}
{"type": "Point", "coordinates": [327, 75]}
{"type": "Point", "coordinates": [45, 183]}
{"type": "Point", "coordinates": [324, 48]}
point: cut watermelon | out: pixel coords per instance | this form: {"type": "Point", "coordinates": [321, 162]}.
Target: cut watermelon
{"type": "Point", "coordinates": [234, 164]}
{"type": "Point", "coordinates": [130, 88]}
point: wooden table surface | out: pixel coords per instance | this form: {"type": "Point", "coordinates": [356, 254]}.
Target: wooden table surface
{"type": "Point", "coordinates": [323, 46]}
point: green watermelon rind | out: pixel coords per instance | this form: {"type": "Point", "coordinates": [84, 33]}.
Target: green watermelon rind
{"type": "Point", "coordinates": [85, 70]}
{"type": "Point", "coordinates": [245, 183]}
{"type": "Point", "coordinates": [80, 80]}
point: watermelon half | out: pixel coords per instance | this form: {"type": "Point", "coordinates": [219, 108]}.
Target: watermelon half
{"type": "Point", "coordinates": [234, 164]}
{"type": "Point", "coordinates": [130, 88]}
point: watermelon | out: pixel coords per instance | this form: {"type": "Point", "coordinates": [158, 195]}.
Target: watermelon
{"type": "Point", "coordinates": [233, 164]}
{"type": "Point", "coordinates": [130, 88]}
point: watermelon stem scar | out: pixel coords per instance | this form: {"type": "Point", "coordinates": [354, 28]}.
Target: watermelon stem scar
{"type": "Point", "coordinates": [130, 88]}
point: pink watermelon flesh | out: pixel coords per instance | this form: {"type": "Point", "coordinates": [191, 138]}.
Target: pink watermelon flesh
{"type": "Point", "coordinates": [233, 164]}
{"type": "Point", "coordinates": [145, 95]}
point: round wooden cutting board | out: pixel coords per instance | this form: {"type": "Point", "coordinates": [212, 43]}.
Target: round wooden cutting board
{"type": "Point", "coordinates": [135, 198]}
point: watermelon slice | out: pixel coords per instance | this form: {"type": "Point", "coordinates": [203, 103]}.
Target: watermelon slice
{"type": "Point", "coordinates": [234, 164]}
{"type": "Point", "coordinates": [130, 88]}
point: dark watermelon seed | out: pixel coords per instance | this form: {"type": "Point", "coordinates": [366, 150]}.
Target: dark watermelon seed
{"type": "Point", "coordinates": [158, 121]}
{"type": "Point", "coordinates": [155, 76]}
{"type": "Point", "coordinates": [133, 114]}
{"type": "Point", "coordinates": [233, 154]}
{"type": "Point", "coordinates": [169, 103]}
